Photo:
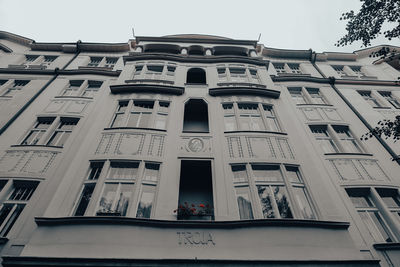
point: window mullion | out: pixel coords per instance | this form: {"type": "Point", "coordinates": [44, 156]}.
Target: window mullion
{"type": "Point", "coordinates": [5, 86]}
{"type": "Point", "coordinates": [335, 138]}
{"type": "Point", "coordinates": [237, 115]}
{"type": "Point", "coordinates": [386, 214]}
{"type": "Point", "coordinates": [49, 132]}
{"type": "Point", "coordinates": [10, 213]}
{"type": "Point", "coordinates": [254, 198]}
{"type": "Point", "coordinates": [263, 115]}
{"type": "Point", "coordinates": [307, 96]}
{"type": "Point", "coordinates": [127, 113]}
{"type": "Point", "coordinates": [102, 62]}
{"type": "Point", "coordinates": [83, 87]}
{"type": "Point", "coordinates": [273, 202]}
{"type": "Point", "coordinates": [136, 190]}
{"type": "Point", "coordinates": [292, 203]}
{"type": "Point", "coordinates": [98, 190]}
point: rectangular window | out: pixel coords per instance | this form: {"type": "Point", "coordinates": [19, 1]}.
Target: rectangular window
{"type": "Point", "coordinates": [13, 206]}
{"type": "Point", "coordinates": [249, 117]}
{"type": "Point", "coordinates": [30, 58]}
{"type": "Point", "coordinates": [295, 68]}
{"type": "Point", "coordinates": [357, 70]}
{"type": "Point", "coordinates": [297, 95]}
{"type": "Point", "coordinates": [40, 127]}
{"type": "Point", "coordinates": [339, 70]}
{"type": "Point", "coordinates": [94, 61]}
{"type": "Point", "coordinates": [271, 120]}
{"type": "Point", "coordinates": [17, 86]}
{"type": "Point", "coordinates": [171, 70]}
{"type": "Point", "coordinates": [279, 67]}
{"type": "Point", "coordinates": [92, 88]}
{"type": "Point", "coordinates": [370, 99]}
{"type": "Point", "coordinates": [143, 114]}
{"type": "Point", "coordinates": [148, 190]}
{"type": "Point", "coordinates": [390, 98]}
{"type": "Point", "coordinates": [370, 215]}
{"type": "Point", "coordinates": [110, 62]}
{"type": "Point", "coordinates": [238, 74]}
{"type": "Point", "coordinates": [62, 132]}
{"type": "Point", "coordinates": [323, 138]}
{"type": "Point", "coordinates": [269, 190]}
{"type": "Point", "coordinates": [316, 96]}
{"type": "Point", "coordinates": [48, 60]}
{"type": "Point", "coordinates": [73, 88]}
{"type": "Point", "coordinates": [347, 140]}
{"type": "Point", "coordinates": [229, 117]}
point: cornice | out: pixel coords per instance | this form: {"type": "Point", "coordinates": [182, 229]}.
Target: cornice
{"type": "Point", "coordinates": [58, 71]}
{"type": "Point", "coordinates": [5, 48]}
{"type": "Point", "coordinates": [133, 56]}
{"type": "Point", "coordinates": [16, 38]}
{"type": "Point", "coordinates": [15, 261]}
{"type": "Point", "coordinates": [194, 40]}
{"type": "Point", "coordinates": [105, 220]}
{"type": "Point", "coordinates": [218, 91]}
{"type": "Point", "coordinates": [332, 80]}
{"type": "Point", "coordinates": [146, 88]}
{"type": "Point", "coordinates": [286, 53]}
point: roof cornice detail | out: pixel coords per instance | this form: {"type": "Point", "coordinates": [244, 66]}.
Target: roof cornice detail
{"type": "Point", "coordinates": [16, 38]}
{"type": "Point", "coordinates": [286, 53]}
{"type": "Point", "coordinates": [195, 40]}
{"type": "Point", "coordinates": [195, 59]}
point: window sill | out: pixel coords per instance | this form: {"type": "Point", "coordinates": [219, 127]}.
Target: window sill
{"type": "Point", "coordinates": [37, 146]}
{"type": "Point", "coordinates": [269, 132]}
{"type": "Point", "coordinates": [147, 88]}
{"type": "Point", "coordinates": [74, 96]}
{"type": "Point", "coordinates": [196, 84]}
{"type": "Point", "coordinates": [293, 74]}
{"type": "Point", "coordinates": [150, 81]}
{"type": "Point", "coordinates": [319, 105]}
{"type": "Point", "coordinates": [382, 107]}
{"type": "Point", "coordinates": [387, 246]}
{"type": "Point", "coordinates": [94, 68]}
{"type": "Point", "coordinates": [134, 128]}
{"type": "Point", "coordinates": [350, 154]}
{"type": "Point", "coordinates": [191, 132]}
{"type": "Point", "coordinates": [113, 220]}
{"type": "Point", "coordinates": [242, 84]}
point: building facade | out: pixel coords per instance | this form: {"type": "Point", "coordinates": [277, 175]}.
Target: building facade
{"type": "Point", "coordinates": [196, 150]}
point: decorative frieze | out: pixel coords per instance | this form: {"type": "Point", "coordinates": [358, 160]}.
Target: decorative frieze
{"type": "Point", "coordinates": [259, 147]}
{"type": "Point", "coordinates": [320, 114]}
{"type": "Point", "coordinates": [131, 144]}
{"type": "Point", "coordinates": [196, 144]}
{"type": "Point", "coordinates": [358, 169]}
{"type": "Point", "coordinates": [67, 106]}
{"type": "Point", "coordinates": [25, 161]}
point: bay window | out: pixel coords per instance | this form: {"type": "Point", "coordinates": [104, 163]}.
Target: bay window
{"type": "Point", "coordinates": [141, 114]}
{"type": "Point", "coordinates": [126, 188]}
{"type": "Point", "coordinates": [243, 116]}
{"type": "Point", "coordinates": [270, 191]}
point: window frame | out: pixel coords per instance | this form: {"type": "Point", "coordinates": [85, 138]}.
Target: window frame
{"type": "Point", "coordinates": [307, 94]}
{"type": "Point", "coordinates": [80, 88]}
{"type": "Point", "coordinates": [252, 184]}
{"type": "Point", "coordinates": [250, 73]}
{"type": "Point", "coordinates": [264, 115]}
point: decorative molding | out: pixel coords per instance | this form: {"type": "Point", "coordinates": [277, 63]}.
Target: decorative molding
{"type": "Point", "coordinates": [27, 161]}
{"type": "Point", "coordinates": [243, 90]}
{"type": "Point", "coordinates": [112, 220]}
{"type": "Point", "coordinates": [147, 88]}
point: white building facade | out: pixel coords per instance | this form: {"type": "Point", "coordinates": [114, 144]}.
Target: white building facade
{"type": "Point", "coordinates": [195, 149]}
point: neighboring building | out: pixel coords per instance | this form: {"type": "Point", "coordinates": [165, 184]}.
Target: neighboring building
{"type": "Point", "coordinates": [102, 144]}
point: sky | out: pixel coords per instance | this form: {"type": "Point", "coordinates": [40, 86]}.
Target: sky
{"type": "Point", "coordinates": [289, 24]}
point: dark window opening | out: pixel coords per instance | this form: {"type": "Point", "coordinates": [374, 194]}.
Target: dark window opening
{"type": "Point", "coordinates": [230, 51]}
{"type": "Point", "coordinates": [162, 48]}
{"type": "Point", "coordinates": [196, 75]}
{"type": "Point", "coordinates": [196, 50]}
{"type": "Point", "coordinates": [195, 191]}
{"type": "Point", "coordinates": [196, 116]}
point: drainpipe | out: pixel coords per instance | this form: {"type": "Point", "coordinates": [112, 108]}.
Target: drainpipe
{"type": "Point", "coordinates": [332, 80]}
{"type": "Point", "coordinates": [26, 105]}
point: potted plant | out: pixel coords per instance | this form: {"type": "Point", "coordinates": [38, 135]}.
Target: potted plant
{"type": "Point", "coordinates": [194, 212]}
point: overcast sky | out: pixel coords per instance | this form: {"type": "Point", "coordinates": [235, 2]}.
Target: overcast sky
{"type": "Point", "coordinates": [292, 24]}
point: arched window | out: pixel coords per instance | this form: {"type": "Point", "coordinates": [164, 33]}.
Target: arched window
{"type": "Point", "coordinates": [196, 116]}
{"type": "Point", "coordinates": [196, 75]}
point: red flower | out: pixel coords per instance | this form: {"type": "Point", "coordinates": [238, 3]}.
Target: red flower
{"type": "Point", "coordinates": [193, 205]}
{"type": "Point", "coordinates": [201, 206]}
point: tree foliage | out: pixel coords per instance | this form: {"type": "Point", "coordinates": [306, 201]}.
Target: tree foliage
{"type": "Point", "coordinates": [385, 128]}
{"type": "Point", "coordinates": [366, 25]}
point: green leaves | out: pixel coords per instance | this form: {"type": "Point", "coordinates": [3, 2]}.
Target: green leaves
{"type": "Point", "coordinates": [366, 25]}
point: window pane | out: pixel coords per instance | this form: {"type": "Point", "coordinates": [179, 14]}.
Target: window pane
{"type": "Point", "coordinates": [293, 174]}
{"type": "Point", "coordinates": [85, 199]}
{"type": "Point", "coordinates": [266, 198]}
{"type": "Point", "coordinates": [244, 203]}
{"type": "Point", "coordinates": [361, 201]}
{"type": "Point", "coordinates": [267, 173]}
{"type": "Point", "coordinates": [302, 203]}
{"type": "Point", "coordinates": [123, 170]}
{"type": "Point", "coordinates": [151, 172]}
{"type": "Point", "coordinates": [282, 201]}
{"type": "Point", "coordinates": [33, 138]}
{"type": "Point", "coordinates": [118, 120]}
{"type": "Point", "coordinates": [161, 121]}
{"type": "Point", "coordinates": [230, 122]}
{"type": "Point", "coordinates": [375, 225]}
{"type": "Point", "coordinates": [134, 119]}
{"type": "Point", "coordinates": [63, 138]}
{"type": "Point", "coordinates": [115, 199]}
{"type": "Point", "coordinates": [146, 202]}
{"type": "Point", "coordinates": [239, 174]}
{"type": "Point", "coordinates": [11, 220]}
{"type": "Point", "coordinates": [144, 120]}
{"type": "Point", "coordinates": [54, 139]}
